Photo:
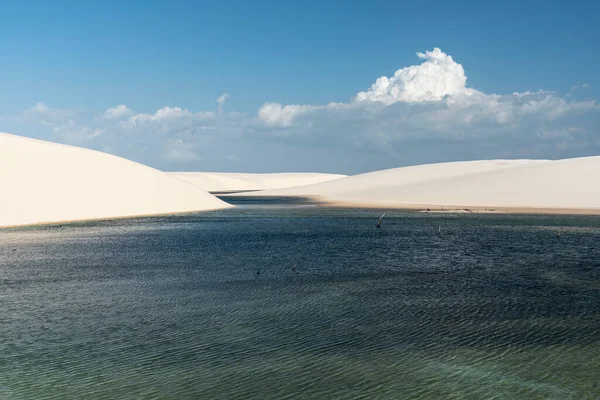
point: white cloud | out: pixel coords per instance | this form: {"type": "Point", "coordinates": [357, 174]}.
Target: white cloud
{"type": "Point", "coordinates": [438, 76]}
{"type": "Point", "coordinates": [74, 133]}
{"type": "Point", "coordinates": [221, 101]}
{"type": "Point", "coordinates": [222, 98]}
{"type": "Point", "coordinates": [179, 151]}
{"type": "Point", "coordinates": [274, 114]}
{"type": "Point", "coordinates": [579, 85]}
{"type": "Point", "coordinates": [119, 111]}
{"type": "Point", "coordinates": [162, 114]}
{"type": "Point", "coordinates": [47, 115]}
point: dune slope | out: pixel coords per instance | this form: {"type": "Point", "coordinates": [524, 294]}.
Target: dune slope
{"type": "Point", "coordinates": [534, 184]}
{"type": "Point", "coordinates": [397, 177]}
{"type": "Point", "coordinates": [229, 182]}
{"type": "Point", "coordinates": [45, 182]}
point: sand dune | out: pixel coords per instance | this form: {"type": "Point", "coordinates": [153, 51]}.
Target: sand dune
{"type": "Point", "coordinates": [230, 182]}
{"type": "Point", "coordinates": [515, 184]}
{"type": "Point", "coordinates": [396, 177]}
{"type": "Point", "coordinates": [46, 182]}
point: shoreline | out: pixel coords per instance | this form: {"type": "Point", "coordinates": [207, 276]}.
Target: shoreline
{"type": "Point", "coordinates": [434, 209]}
{"type": "Point", "coordinates": [323, 202]}
{"type": "Point", "coordinates": [447, 209]}
{"type": "Point", "coordinates": [77, 221]}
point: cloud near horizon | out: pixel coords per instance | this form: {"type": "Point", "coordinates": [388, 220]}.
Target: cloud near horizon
{"type": "Point", "coordinates": [117, 112]}
{"type": "Point", "coordinates": [423, 113]}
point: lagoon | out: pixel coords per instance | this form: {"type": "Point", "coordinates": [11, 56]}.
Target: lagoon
{"type": "Point", "coordinates": [276, 300]}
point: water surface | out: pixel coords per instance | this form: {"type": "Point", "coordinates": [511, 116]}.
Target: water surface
{"type": "Point", "coordinates": [209, 306]}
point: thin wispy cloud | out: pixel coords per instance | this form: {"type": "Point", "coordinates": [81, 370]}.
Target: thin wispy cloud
{"type": "Point", "coordinates": [221, 101]}
{"type": "Point", "coordinates": [44, 114]}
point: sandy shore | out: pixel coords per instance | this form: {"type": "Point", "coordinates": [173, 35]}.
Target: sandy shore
{"type": "Point", "coordinates": [438, 209]}
{"type": "Point", "coordinates": [435, 209]}
{"type": "Point", "coordinates": [80, 221]}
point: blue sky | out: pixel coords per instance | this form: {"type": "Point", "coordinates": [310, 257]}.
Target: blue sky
{"type": "Point", "coordinates": [78, 59]}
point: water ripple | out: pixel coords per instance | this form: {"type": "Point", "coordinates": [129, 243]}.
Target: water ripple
{"type": "Point", "coordinates": [490, 307]}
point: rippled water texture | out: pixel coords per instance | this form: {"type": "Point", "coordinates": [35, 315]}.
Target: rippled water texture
{"type": "Point", "coordinates": [209, 306]}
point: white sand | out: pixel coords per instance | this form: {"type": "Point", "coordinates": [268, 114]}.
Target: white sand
{"type": "Point", "coordinates": [516, 184]}
{"type": "Point", "coordinates": [231, 182]}
{"type": "Point", "coordinates": [43, 182]}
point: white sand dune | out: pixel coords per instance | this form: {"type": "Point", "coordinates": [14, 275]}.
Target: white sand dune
{"type": "Point", "coordinates": [515, 184]}
{"type": "Point", "coordinates": [44, 182]}
{"type": "Point", "coordinates": [230, 182]}
{"type": "Point", "coordinates": [396, 177]}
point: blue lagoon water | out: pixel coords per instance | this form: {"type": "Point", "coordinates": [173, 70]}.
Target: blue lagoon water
{"type": "Point", "coordinates": [209, 306]}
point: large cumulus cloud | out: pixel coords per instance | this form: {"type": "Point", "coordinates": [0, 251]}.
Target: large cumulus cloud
{"type": "Point", "coordinates": [437, 77]}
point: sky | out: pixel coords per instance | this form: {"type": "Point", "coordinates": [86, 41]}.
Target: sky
{"type": "Point", "coordinates": [306, 86]}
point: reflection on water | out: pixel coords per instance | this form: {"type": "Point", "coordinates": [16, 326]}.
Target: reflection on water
{"type": "Point", "coordinates": [492, 306]}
